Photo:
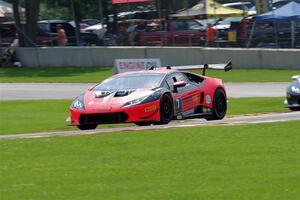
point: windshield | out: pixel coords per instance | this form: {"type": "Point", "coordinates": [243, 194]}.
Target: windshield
{"type": "Point", "coordinates": [131, 82]}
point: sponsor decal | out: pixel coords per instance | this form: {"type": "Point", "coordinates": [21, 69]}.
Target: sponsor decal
{"type": "Point", "coordinates": [195, 98]}
{"type": "Point", "coordinates": [208, 99]}
{"type": "Point", "coordinates": [150, 108]}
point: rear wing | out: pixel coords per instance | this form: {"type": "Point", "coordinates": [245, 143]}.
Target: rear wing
{"type": "Point", "coordinates": [226, 67]}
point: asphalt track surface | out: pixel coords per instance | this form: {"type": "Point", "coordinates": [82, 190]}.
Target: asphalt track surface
{"type": "Point", "coordinates": [38, 91]}
{"type": "Point", "coordinates": [247, 119]}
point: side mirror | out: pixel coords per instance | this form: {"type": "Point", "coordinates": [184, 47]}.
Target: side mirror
{"type": "Point", "coordinates": [179, 84]}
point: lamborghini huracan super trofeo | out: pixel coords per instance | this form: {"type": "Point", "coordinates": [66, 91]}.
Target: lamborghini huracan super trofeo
{"type": "Point", "coordinates": [154, 96]}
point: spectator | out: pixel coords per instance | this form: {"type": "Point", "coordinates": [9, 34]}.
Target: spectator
{"type": "Point", "coordinates": [211, 34]}
{"type": "Point", "coordinates": [61, 38]}
{"type": "Point", "coordinates": [15, 42]}
{"type": "Point", "coordinates": [140, 29]}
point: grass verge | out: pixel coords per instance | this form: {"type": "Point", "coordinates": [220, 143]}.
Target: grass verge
{"type": "Point", "coordinates": [50, 115]}
{"type": "Point", "coordinates": [221, 162]}
{"type": "Point", "coordinates": [93, 75]}
{"type": "Point", "coordinates": [55, 74]}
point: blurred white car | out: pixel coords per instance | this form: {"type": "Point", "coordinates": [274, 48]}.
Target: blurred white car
{"type": "Point", "coordinates": [226, 23]}
{"type": "Point", "coordinates": [98, 29]}
{"type": "Point", "coordinates": [245, 6]}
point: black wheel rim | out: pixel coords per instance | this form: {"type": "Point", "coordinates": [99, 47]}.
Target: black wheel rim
{"type": "Point", "coordinates": [166, 110]}
{"type": "Point", "coordinates": [220, 105]}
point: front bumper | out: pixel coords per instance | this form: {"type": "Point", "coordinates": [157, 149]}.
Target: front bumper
{"type": "Point", "coordinates": [137, 113]}
{"type": "Point", "coordinates": [292, 101]}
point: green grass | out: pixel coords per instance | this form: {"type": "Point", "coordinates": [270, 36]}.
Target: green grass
{"type": "Point", "coordinates": [97, 74]}
{"type": "Point", "coordinates": [221, 162]}
{"type": "Point", "coordinates": [50, 115]}
{"type": "Point", "coordinates": [55, 74]}
{"type": "Point", "coordinates": [255, 105]}
{"type": "Point", "coordinates": [254, 75]}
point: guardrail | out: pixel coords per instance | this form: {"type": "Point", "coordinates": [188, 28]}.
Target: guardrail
{"type": "Point", "coordinates": [104, 56]}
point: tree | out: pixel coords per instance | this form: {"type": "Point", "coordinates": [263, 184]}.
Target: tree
{"type": "Point", "coordinates": [18, 22]}
{"type": "Point", "coordinates": [32, 14]}
{"type": "Point", "coordinates": [26, 32]}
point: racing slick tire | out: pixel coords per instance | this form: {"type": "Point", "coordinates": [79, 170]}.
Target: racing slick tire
{"type": "Point", "coordinates": [294, 108]}
{"type": "Point", "coordinates": [87, 126]}
{"type": "Point", "coordinates": [166, 109]}
{"type": "Point", "coordinates": [219, 105]}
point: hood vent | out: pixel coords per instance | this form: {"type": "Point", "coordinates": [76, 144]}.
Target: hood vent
{"type": "Point", "coordinates": [123, 93]}
{"type": "Point", "coordinates": [101, 94]}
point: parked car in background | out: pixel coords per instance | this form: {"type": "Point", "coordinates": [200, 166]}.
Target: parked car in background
{"type": "Point", "coordinates": [247, 7]}
{"type": "Point", "coordinates": [98, 29]}
{"type": "Point", "coordinates": [82, 25]}
{"type": "Point", "coordinates": [91, 22]}
{"type": "Point", "coordinates": [173, 33]}
{"type": "Point", "coordinates": [225, 25]}
{"type": "Point", "coordinates": [49, 26]}
{"type": "Point", "coordinates": [8, 32]}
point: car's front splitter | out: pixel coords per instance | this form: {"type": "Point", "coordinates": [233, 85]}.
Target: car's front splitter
{"type": "Point", "coordinates": [136, 113]}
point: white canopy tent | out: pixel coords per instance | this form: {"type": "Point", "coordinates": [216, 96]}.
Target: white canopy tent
{"type": "Point", "coordinates": [6, 10]}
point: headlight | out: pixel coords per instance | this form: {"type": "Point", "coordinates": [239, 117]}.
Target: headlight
{"type": "Point", "coordinates": [153, 97]}
{"type": "Point", "coordinates": [134, 102]}
{"type": "Point", "coordinates": [78, 103]}
{"type": "Point", "coordinates": [295, 89]}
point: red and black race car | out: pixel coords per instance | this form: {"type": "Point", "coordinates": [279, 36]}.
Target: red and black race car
{"type": "Point", "coordinates": [154, 96]}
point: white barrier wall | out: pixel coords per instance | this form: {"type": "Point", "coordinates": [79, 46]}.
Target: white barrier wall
{"type": "Point", "coordinates": [105, 56]}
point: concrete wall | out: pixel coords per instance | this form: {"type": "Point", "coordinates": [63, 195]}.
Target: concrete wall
{"type": "Point", "coordinates": [105, 56]}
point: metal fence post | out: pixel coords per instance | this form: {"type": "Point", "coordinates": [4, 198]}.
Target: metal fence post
{"type": "Point", "coordinates": [292, 34]}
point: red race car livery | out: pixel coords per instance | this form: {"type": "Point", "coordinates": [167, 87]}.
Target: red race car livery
{"type": "Point", "coordinates": [154, 96]}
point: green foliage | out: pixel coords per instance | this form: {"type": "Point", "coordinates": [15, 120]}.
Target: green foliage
{"type": "Point", "coordinates": [61, 9]}
{"type": "Point", "coordinates": [222, 162]}
{"type": "Point", "coordinates": [55, 12]}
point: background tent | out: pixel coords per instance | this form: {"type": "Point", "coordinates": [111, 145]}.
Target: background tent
{"type": "Point", "coordinates": [128, 1]}
{"type": "Point", "coordinates": [209, 9]}
{"type": "Point", "coordinates": [7, 11]}
{"type": "Point", "coordinates": [288, 12]}
{"type": "Point", "coordinates": [284, 16]}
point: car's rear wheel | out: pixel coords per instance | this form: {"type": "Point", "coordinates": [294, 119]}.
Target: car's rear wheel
{"type": "Point", "coordinates": [219, 105]}
{"type": "Point", "coordinates": [87, 126]}
{"type": "Point", "coordinates": [166, 109]}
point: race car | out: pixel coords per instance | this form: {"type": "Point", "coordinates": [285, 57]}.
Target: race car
{"type": "Point", "coordinates": [153, 96]}
{"type": "Point", "coordinates": [293, 94]}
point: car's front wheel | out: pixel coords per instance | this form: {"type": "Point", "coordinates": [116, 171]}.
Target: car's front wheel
{"type": "Point", "coordinates": [166, 109]}
{"type": "Point", "coordinates": [87, 126]}
{"type": "Point", "coordinates": [294, 108]}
